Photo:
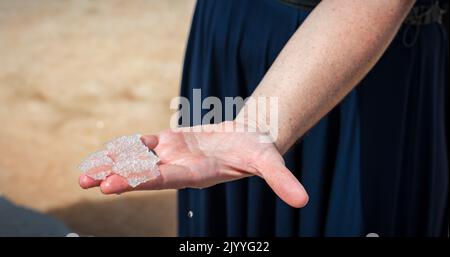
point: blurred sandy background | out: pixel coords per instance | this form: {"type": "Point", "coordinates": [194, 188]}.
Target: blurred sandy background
{"type": "Point", "coordinates": [74, 74]}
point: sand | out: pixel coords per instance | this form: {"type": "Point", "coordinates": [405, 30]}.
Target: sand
{"type": "Point", "coordinates": [74, 74]}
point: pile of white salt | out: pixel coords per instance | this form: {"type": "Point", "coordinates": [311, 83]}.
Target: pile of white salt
{"type": "Point", "coordinates": [126, 156]}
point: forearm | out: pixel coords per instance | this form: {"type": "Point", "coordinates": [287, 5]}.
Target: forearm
{"type": "Point", "coordinates": [328, 55]}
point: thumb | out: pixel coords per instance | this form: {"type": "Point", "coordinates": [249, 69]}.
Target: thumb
{"type": "Point", "coordinates": [285, 185]}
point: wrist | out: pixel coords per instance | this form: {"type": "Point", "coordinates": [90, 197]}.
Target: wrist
{"type": "Point", "coordinates": [268, 132]}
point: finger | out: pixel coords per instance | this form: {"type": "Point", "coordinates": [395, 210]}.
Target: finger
{"type": "Point", "coordinates": [172, 177]}
{"type": "Point", "coordinates": [115, 184]}
{"type": "Point", "coordinates": [285, 185]}
{"type": "Point", "coordinates": [150, 141]}
{"type": "Point", "coordinates": [87, 182]}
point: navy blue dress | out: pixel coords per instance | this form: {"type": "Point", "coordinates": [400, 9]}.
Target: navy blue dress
{"type": "Point", "coordinates": [377, 163]}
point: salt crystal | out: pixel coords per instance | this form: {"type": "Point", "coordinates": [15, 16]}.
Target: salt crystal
{"type": "Point", "coordinates": [124, 144]}
{"type": "Point", "coordinates": [137, 178]}
{"type": "Point", "coordinates": [126, 156]}
{"type": "Point", "coordinates": [94, 160]}
{"type": "Point", "coordinates": [97, 165]}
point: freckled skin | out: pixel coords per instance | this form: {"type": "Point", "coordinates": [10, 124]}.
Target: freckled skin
{"type": "Point", "coordinates": [328, 55]}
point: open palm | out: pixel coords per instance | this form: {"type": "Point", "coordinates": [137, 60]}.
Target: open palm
{"type": "Point", "coordinates": [202, 159]}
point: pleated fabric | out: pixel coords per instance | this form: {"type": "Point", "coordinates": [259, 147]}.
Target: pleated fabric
{"type": "Point", "coordinates": [377, 163]}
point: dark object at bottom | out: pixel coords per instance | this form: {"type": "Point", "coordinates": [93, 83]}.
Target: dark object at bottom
{"type": "Point", "coordinates": [17, 221]}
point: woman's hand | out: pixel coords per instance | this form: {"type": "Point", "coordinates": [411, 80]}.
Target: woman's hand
{"type": "Point", "coordinates": [202, 159]}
